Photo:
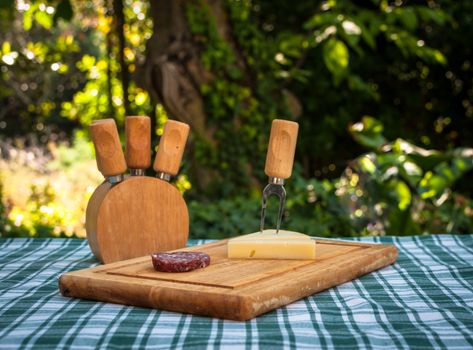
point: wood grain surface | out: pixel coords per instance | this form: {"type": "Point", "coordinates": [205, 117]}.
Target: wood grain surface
{"type": "Point", "coordinates": [108, 149]}
{"type": "Point", "coordinates": [171, 147]}
{"type": "Point", "coordinates": [110, 162]}
{"type": "Point", "coordinates": [138, 142]}
{"type": "Point", "coordinates": [229, 288]}
{"type": "Point", "coordinates": [281, 148]}
{"type": "Point", "coordinates": [91, 216]}
{"type": "Point", "coordinates": [141, 215]}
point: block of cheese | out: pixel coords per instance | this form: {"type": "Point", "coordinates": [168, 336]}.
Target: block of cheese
{"type": "Point", "coordinates": [271, 245]}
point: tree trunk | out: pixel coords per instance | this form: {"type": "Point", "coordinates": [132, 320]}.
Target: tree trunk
{"type": "Point", "coordinates": [111, 107]}
{"type": "Point", "coordinates": [125, 77]}
{"type": "Point", "coordinates": [174, 73]}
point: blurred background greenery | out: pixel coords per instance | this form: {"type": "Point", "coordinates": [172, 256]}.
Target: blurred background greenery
{"type": "Point", "coordinates": [382, 91]}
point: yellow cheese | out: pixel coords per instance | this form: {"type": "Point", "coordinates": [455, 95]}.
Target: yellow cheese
{"type": "Point", "coordinates": [269, 245]}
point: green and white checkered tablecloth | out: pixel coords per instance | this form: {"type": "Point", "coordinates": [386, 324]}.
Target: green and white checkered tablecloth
{"type": "Point", "coordinates": [424, 301]}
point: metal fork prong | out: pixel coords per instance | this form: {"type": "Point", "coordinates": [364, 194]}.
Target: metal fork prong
{"type": "Point", "coordinates": [282, 201]}
{"type": "Point", "coordinates": [280, 192]}
{"type": "Point", "coordinates": [263, 211]}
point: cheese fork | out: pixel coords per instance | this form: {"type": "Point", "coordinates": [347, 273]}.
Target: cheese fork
{"type": "Point", "coordinates": [279, 162]}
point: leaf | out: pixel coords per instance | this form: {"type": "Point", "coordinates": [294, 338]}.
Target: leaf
{"type": "Point", "coordinates": [366, 34]}
{"type": "Point", "coordinates": [366, 164]}
{"type": "Point", "coordinates": [325, 18]}
{"type": "Point", "coordinates": [407, 17]}
{"type": "Point", "coordinates": [352, 41]}
{"type": "Point", "coordinates": [426, 159]}
{"type": "Point", "coordinates": [43, 19]}
{"type": "Point", "coordinates": [6, 48]}
{"type": "Point", "coordinates": [403, 195]}
{"type": "Point", "coordinates": [439, 57]}
{"type": "Point", "coordinates": [431, 55]}
{"type": "Point", "coordinates": [368, 132]}
{"type": "Point", "coordinates": [28, 17]}
{"type": "Point", "coordinates": [435, 15]}
{"type": "Point", "coordinates": [431, 185]}
{"type": "Point", "coordinates": [336, 56]}
{"type": "Point", "coordinates": [435, 182]}
{"type": "Point", "coordinates": [64, 11]}
{"type": "Point", "coordinates": [356, 83]}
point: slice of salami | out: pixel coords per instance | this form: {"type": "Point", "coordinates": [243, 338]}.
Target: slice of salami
{"type": "Point", "coordinates": [179, 261]}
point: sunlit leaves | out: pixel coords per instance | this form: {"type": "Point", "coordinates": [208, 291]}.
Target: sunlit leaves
{"type": "Point", "coordinates": [39, 191]}
{"type": "Point", "coordinates": [28, 17]}
{"type": "Point", "coordinates": [406, 177]}
{"type": "Point", "coordinates": [435, 182]}
{"type": "Point", "coordinates": [104, 23]}
{"type": "Point", "coordinates": [66, 44]}
{"type": "Point", "coordinates": [336, 57]}
{"type": "Point", "coordinates": [7, 55]}
{"type": "Point", "coordinates": [342, 27]}
{"type": "Point", "coordinates": [368, 132]}
{"type": "Point", "coordinates": [321, 19]}
{"type": "Point", "coordinates": [92, 103]}
{"type": "Point", "coordinates": [401, 192]}
{"type": "Point", "coordinates": [141, 97]}
{"type": "Point", "coordinates": [86, 63]}
{"type": "Point", "coordinates": [44, 19]}
{"type": "Point", "coordinates": [367, 165]}
{"type": "Point", "coordinates": [6, 47]}
{"type": "Point", "coordinates": [40, 13]}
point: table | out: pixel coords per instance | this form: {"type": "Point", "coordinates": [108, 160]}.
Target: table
{"type": "Point", "coordinates": [423, 301]}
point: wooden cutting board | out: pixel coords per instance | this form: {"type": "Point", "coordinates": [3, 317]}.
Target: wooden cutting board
{"type": "Point", "coordinates": [229, 289]}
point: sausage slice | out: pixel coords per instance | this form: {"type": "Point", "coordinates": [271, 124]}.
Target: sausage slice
{"type": "Point", "coordinates": [180, 261]}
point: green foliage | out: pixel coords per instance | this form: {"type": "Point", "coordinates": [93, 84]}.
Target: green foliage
{"type": "Point", "coordinates": [326, 64]}
{"type": "Point", "coordinates": [405, 184]}
{"type": "Point", "coordinates": [239, 106]}
{"type": "Point", "coordinates": [397, 189]}
{"type": "Point", "coordinates": [368, 133]}
{"type": "Point", "coordinates": [58, 71]}
{"type": "Point", "coordinates": [381, 58]}
{"type": "Point", "coordinates": [337, 60]}
{"type": "Point", "coordinates": [336, 57]}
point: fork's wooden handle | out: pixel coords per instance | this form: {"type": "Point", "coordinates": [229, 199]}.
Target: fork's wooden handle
{"type": "Point", "coordinates": [138, 142]}
{"type": "Point", "coordinates": [171, 147]}
{"type": "Point", "coordinates": [108, 150]}
{"type": "Point", "coordinates": [281, 148]}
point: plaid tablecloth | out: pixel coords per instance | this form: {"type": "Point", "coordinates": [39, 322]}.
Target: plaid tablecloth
{"type": "Point", "coordinates": [423, 301]}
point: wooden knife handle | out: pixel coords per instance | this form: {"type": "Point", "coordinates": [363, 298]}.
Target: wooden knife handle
{"type": "Point", "coordinates": [281, 148]}
{"type": "Point", "coordinates": [108, 150]}
{"type": "Point", "coordinates": [138, 142]}
{"type": "Point", "coordinates": [171, 147]}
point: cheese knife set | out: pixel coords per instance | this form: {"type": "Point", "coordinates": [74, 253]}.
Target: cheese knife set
{"type": "Point", "coordinates": [136, 215]}
{"type": "Point", "coordinates": [138, 227]}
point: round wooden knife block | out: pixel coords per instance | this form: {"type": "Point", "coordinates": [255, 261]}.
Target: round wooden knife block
{"type": "Point", "coordinates": [139, 215]}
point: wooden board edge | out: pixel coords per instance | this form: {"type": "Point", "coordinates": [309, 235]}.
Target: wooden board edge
{"type": "Point", "coordinates": [380, 257]}
{"type": "Point", "coordinates": [232, 307]}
